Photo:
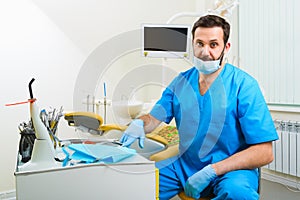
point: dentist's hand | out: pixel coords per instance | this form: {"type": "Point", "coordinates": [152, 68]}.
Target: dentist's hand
{"type": "Point", "coordinates": [134, 131]}
{"type": "Point", "coordinates": [199, 181]}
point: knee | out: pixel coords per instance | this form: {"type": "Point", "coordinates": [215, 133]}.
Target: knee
{"type": "Point", "coordinates": [238, 190]}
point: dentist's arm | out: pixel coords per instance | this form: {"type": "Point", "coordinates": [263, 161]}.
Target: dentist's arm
{"type": "Point", "coordinates": [150, 122]}
{"type": "Point", "coordinates": [246, 159]}
{"type": "Point", "coordinates": [138, 128]}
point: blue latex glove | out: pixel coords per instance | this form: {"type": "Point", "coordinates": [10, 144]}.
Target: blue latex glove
{"type": "Point", "coordinates": [199, 181]}
{"type": "Point", "coordinates": [134, 131]}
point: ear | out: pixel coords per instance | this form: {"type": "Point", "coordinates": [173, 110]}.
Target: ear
{"type": "Point", "coordinates": [227, 47]}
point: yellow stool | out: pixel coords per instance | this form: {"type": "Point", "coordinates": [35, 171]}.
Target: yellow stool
{"type": "Point", "coordinates": [182, 196]}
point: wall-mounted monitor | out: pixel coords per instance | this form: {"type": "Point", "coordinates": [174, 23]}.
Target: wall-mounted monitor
{"type": "Point", "coordinates": [165, 40]}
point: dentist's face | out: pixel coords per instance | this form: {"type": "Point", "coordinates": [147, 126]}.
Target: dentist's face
{"type": "Point", "coordinates": [208, 43]}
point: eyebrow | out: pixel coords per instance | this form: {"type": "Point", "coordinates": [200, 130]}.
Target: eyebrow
{"type": "Point", "coordinates": [213, 40]}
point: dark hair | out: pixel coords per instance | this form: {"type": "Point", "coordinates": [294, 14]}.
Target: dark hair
{"type": "Point", "coordinates": [210, 21]}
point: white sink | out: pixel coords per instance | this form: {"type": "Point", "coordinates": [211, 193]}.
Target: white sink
{"type": "Point", "coordinates": [127, 109]}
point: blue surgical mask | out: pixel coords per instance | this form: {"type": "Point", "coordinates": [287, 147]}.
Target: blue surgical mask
{"type": "Point", "coordinates": [206, 67]}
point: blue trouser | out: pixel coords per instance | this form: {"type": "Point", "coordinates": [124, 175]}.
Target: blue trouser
{"type": "Point", "coordinates": [239, 184]}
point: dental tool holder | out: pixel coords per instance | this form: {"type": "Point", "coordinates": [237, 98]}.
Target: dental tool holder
{"type": "Point", "coordinates": [96, 103]}
{"type": "Point", "coordinates": [43, 153]}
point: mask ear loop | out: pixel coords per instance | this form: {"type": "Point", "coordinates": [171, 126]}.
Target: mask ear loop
{"type": "Point", "coordinates": [221, 56]}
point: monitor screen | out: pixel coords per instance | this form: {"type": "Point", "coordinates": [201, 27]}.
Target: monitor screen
{"type": "Point", "coordinates": [166, 40]}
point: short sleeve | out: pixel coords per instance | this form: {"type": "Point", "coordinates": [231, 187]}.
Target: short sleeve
{"type": "Point", "coordinates": [163, 109]}
{"type": "Point", "coordinates": [254, 116]}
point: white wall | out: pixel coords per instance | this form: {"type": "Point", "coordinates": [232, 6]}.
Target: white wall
{"type": "Point", "coordinates": [31, 45]}
{"type": "Point", "coordinates": [50, 40]}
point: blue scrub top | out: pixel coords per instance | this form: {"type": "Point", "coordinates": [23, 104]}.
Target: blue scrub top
{"type": "Point", "coordinates": [228, 118]}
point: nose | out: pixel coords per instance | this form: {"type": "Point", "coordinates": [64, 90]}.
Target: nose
{"type": "Point", "coordinates": [204, 51]}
